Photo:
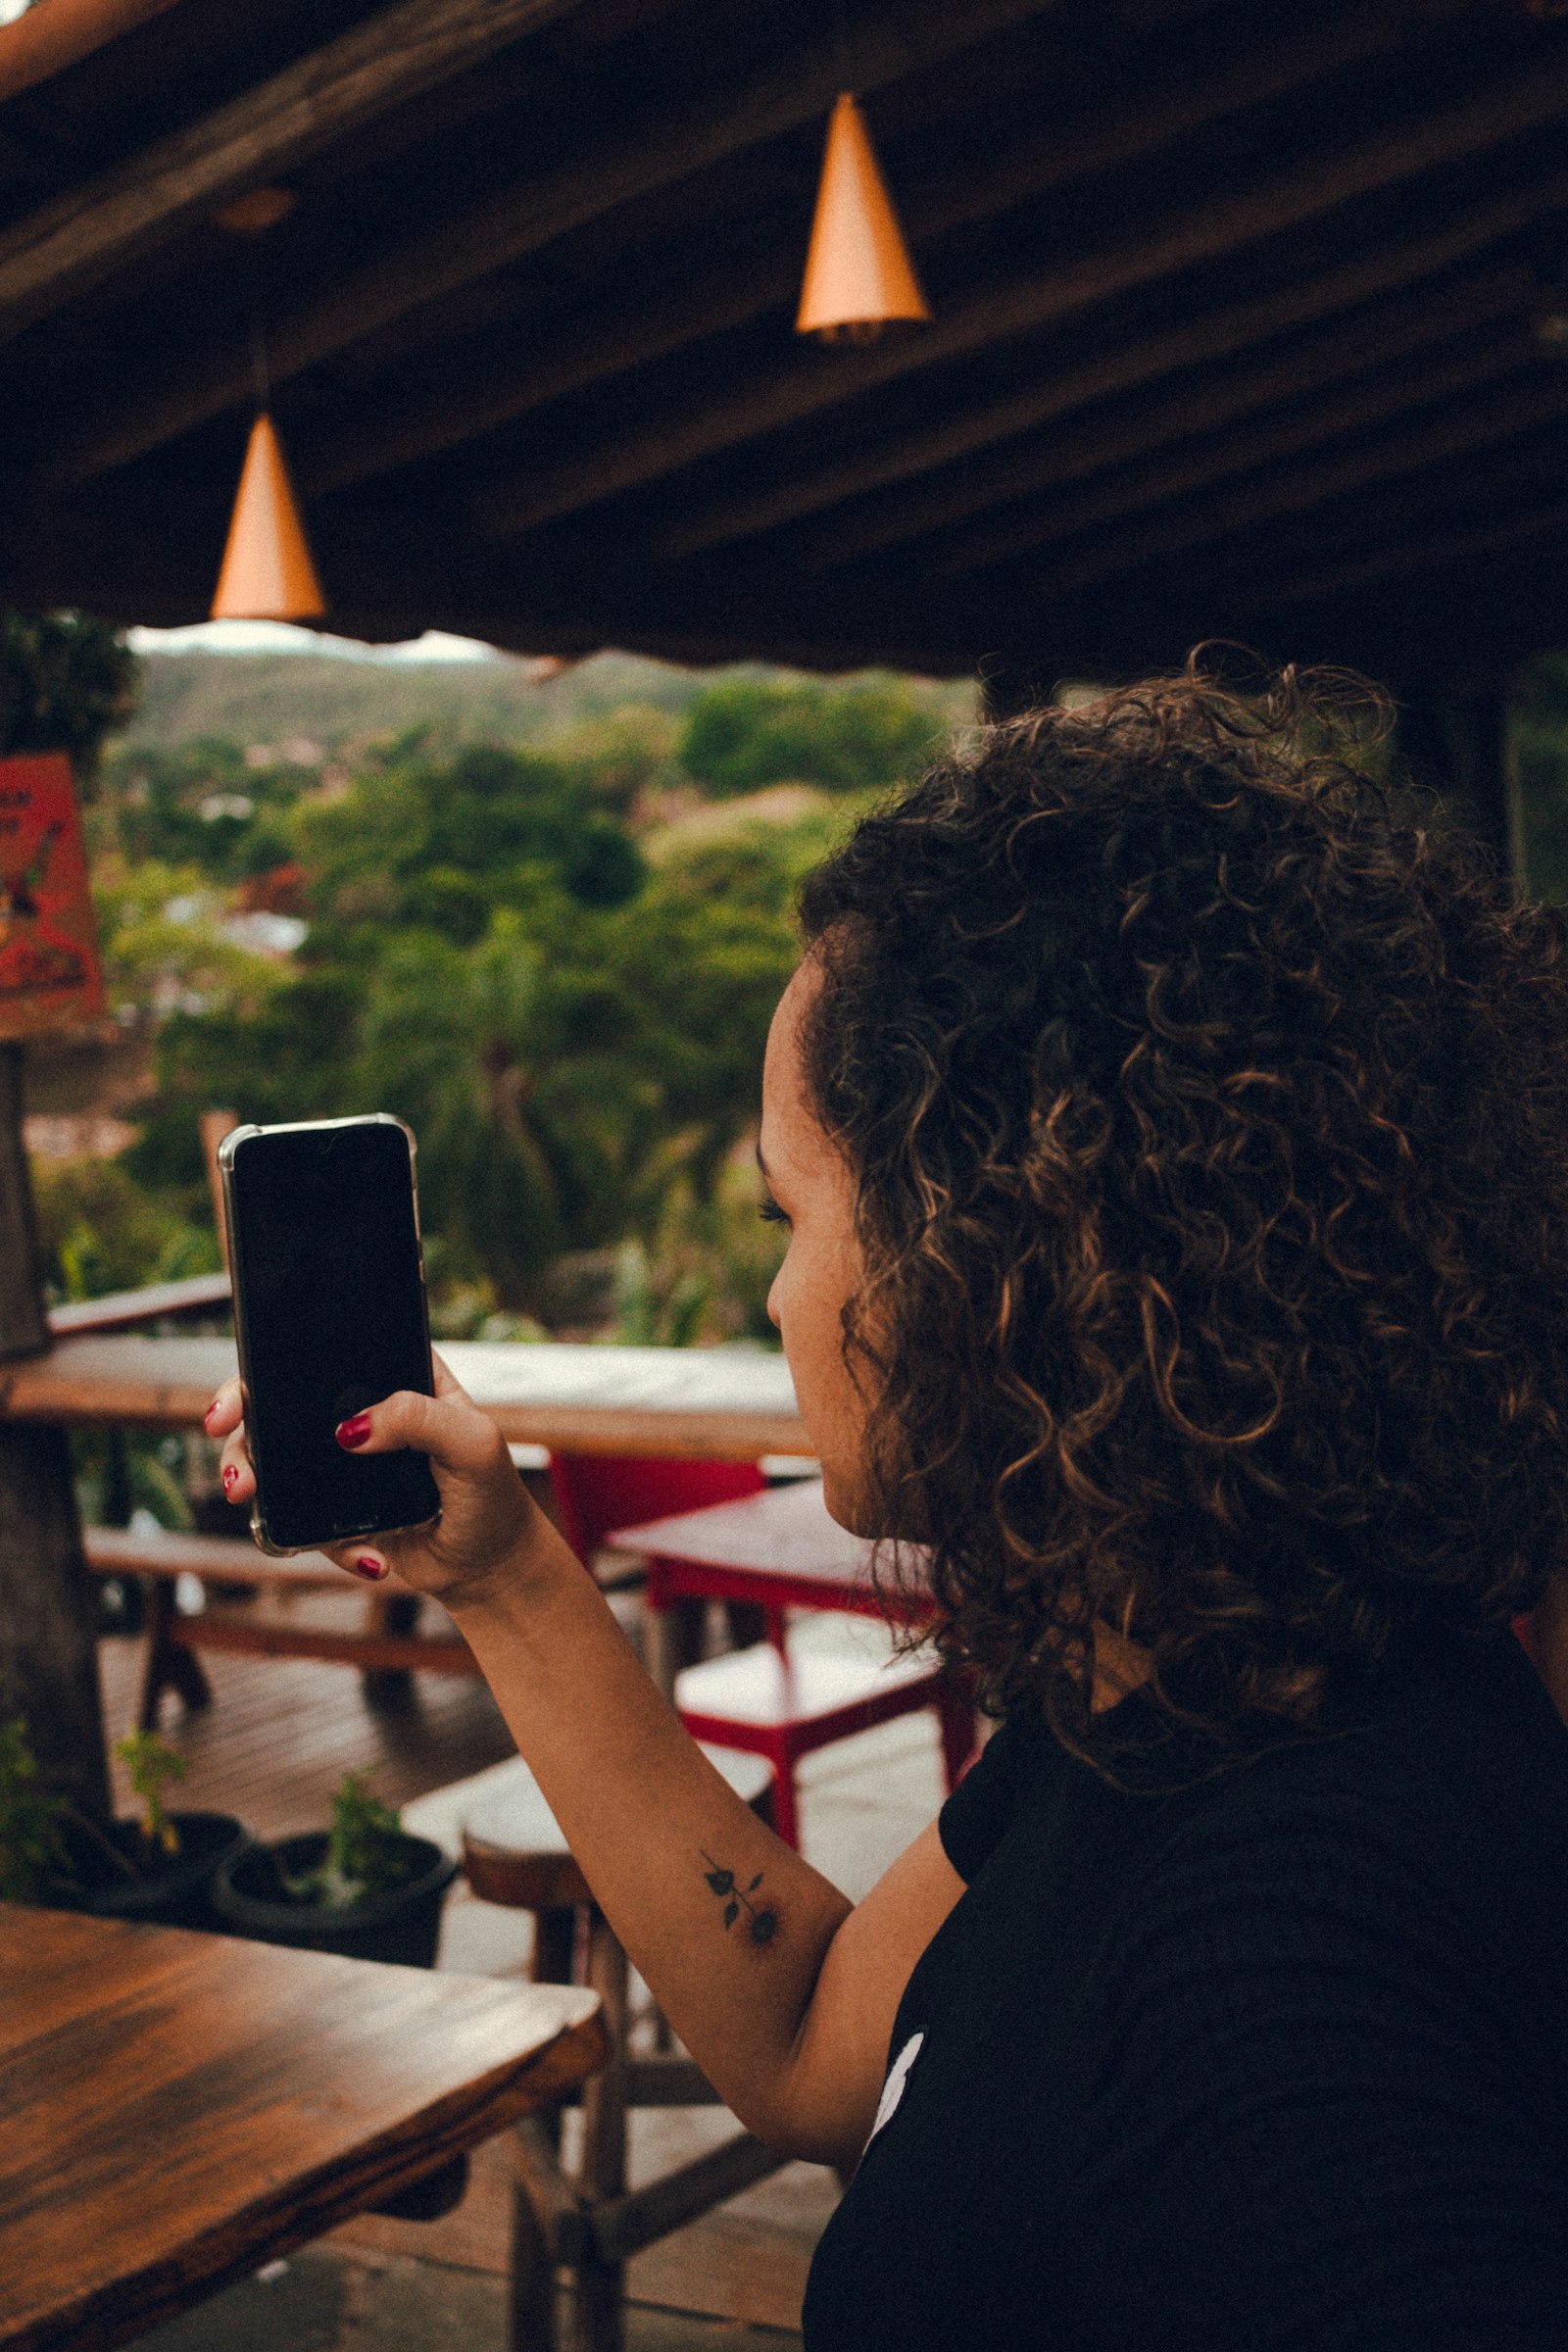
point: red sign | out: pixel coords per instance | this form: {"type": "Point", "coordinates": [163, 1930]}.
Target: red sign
{"type": "Point", "coordinates": [49, 974]}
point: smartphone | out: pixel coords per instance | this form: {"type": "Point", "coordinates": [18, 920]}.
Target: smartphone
{"type": "Point", "coordinates": [329, 1312]}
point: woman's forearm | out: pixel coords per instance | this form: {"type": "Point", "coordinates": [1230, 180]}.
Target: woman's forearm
{"type": "Point", "coordinates": [725, 1922]}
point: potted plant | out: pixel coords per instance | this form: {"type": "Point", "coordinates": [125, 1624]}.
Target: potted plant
{"type": "Point", "coordinates": [363, 1887]}
{"type": "Point", "coordinates": [157, 1868]}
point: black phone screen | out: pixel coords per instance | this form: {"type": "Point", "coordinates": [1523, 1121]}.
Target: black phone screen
{"type": "Point", "coordinates": [329, 1304]}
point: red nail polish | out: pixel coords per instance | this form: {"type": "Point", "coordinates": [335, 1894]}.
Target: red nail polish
{"type": "Point", "coordinates": [229, 1476]}
{"type": "Point", "coordinates": [354, 1432]}
{"type": "Point", "coordinates": [367, 1567]}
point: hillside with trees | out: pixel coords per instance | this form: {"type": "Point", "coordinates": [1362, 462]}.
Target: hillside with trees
{"type": "Point", "coordinates": [542, 914]}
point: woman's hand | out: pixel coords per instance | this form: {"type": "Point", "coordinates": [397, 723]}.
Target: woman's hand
{"type": "Point", "coordinates": [488, 1525]}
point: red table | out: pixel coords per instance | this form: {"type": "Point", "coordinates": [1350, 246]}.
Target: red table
{"type": "Point", "coordinates": [781, 1551]}
{"type": "Point", "coordinates": [779, 1548]}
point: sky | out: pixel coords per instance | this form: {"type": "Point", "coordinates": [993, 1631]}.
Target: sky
{"type": "Point", "coordinates": [281, 637]}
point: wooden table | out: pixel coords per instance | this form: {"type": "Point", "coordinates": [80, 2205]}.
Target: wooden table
{"type": "Point", "coordinates": [179, 2109]}
{"type": "Point", "coordinates": [716, 1404]}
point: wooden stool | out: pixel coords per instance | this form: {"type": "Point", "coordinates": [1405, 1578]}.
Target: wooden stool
{"type": "Point", "coordinates": [514, 1854]}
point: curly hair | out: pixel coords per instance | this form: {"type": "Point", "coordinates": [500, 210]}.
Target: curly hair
{"type": "Point", "coordinates": [1207, 1099]}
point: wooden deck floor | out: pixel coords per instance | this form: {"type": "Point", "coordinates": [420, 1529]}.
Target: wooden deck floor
{"type": "Point", "coordinates": [281, 1731]}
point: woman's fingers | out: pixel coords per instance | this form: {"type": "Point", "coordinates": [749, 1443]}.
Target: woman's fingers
{"type": "Point", "coordinates": [358, 1560]}
{"type": "Point", "coordinates": [226, 1412]}
{"type": "Point", "coordinates": [455, 1435]}
{"type": "Point", "coordinates": [226, 1418]}
{"type": "Point", "coordinates": [236, 1475]}
{"type": "Point", "coordinates": [484, 1507]}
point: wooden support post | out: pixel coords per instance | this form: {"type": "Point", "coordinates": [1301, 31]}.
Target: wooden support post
{"type": "Point", "coordinates": [48, 1646]}
{"type": "Point", "coordinates": [23, 1324]}
{"type": "Point", "coordinates": [1013, 681]}
{"type": "Point", "coordinates": [1459, 744]}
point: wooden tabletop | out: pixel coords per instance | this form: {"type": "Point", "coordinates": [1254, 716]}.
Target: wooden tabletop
{"type": "Point", "coordinates": [711, 1403]}
{"type": "Point", "coordinates": [179, 2109]}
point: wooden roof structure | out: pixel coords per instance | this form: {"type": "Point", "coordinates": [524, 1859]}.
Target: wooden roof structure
{"type": "Point", "coordinates": [1247, 321]}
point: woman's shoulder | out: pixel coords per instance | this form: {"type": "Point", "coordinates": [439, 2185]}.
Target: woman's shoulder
{"type": "Point", "coordinates": [1006, 1777]}
{"type": "Point", "coordinates": [1430, 1807]}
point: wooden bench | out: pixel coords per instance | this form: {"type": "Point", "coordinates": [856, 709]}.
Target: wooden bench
{"type": "Point", "coordinates": [155, 1303]}
{"type": "Point", "coordinates": [262, 1624]}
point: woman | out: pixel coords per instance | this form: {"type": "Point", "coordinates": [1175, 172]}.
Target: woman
{"type": "Point", "coordinates": [1173, 1143]}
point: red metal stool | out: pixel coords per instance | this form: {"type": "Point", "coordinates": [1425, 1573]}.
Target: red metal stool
{"type": "Point", "coordinates": [777, 1699]}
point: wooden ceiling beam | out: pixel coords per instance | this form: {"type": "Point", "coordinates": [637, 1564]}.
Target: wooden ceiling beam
{"type": "Point", "coordinates": [123, 213]}
{"type": "Point", "coordinates": [129, 578]}
{"type": "Point", "coordinates": [500, 393]}
{"type": "Point", "coordinates": [1484, 535]}
{"type": "Point", "coordinates": [1220, 335]}
{"type": "Point", "coordinates": [513, 223]}
{"type": "Point", "coordinates": [1456, 432]}
{"type": "Point", "coordinates": [1521, 103]}
{"type": "Point", "coordinates": [1407, 324]}
{"type": "Point", "coordinates": [1399, 527]}
{"type": "Point", "coordinates": [548, 362]}
{"type": "Point", "coordinates": [1280, 433]}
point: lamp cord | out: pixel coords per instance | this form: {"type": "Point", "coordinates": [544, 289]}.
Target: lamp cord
{"type": "Point", "coordinates": [259, 361]}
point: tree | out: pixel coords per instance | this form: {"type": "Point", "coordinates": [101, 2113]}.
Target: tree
{"type": "Point", "coordinates": [746, 732]}
{"type": "Point", "coordinates": [439, 843]}
{"type": "Point", "coordinates": [66, 681]}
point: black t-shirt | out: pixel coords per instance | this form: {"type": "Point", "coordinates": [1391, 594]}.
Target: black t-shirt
{"type": "Point", "coordinates": [1272, 2058]}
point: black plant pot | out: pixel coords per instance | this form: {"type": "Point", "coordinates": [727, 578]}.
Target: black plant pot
{"type": "Point", "coordinates": [171, 1891]}
{"type": "Point", "coordinates": [405, 1926]}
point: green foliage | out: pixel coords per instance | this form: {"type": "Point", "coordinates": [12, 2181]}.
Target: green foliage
{"type": "Point", "coordinates": [605, 868]}
{"type": "Point", "coordinates": [199, 805]}
{"type": "Point", "coordinates": [66, 681]}
{"type": "Point", "coordinates": [438, 844]}
{"type": "Point", "coordinates": [351, 707]}
{"type": "Point", "coordinates": [166, 948]}
{"type": "Point", "coordinates": [624, 756]}
{"type": "Point", "coordinates": [152, 1764]}
{"type": "Point", "coordinates": [100, 1231]}
{"type": "Point", "coordinates": [746, 732]}
{"type": "Point", "coordinates": [545, 1063]}
{"type": "Point", "coordinates": [290, 1057]}
{"type": "Point", "coordinates": [704, 1275]}
{"type": "Point", "coordinates": [1541, 753]}
{"type": "Point", "coordinates": [122, 1471]}
{"type": "Point", "coordinates": [31, 1847]}
{"type": "Point", "coordinates": [367, 1846]}
{"type": "Point", "coordinates": [369, 1855]}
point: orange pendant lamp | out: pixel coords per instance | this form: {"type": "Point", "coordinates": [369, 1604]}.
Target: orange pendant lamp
{"type": "Point", "coordinates": [267, 571]}
{"type": "Point", "coordinates": [858, 274]}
